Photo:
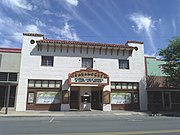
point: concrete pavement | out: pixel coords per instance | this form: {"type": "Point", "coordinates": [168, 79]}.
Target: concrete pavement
{"type": "Point", "coordinates": [12, 113]}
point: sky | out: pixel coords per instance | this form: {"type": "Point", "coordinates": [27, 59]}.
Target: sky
{"type": "Point", "coordinates": [153, 22]}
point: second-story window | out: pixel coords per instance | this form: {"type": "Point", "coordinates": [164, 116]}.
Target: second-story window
{"type": "Point", "coordinates": [123, 64]}
{"type": "Point", "coordinates": [87, 62]}
{"type": "Point", "coordinates": [47, 61]}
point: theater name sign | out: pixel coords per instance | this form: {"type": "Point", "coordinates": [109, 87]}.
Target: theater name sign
{"type": "Point", "coordinates": [88, 76]}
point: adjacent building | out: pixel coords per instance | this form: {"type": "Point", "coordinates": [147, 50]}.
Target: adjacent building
{"type": "Point", "coordinates": [73, 75]}
{"type": "Point", "coordinates": [161, 96]}
{"type": "Point", "coordinates": [9, 73]}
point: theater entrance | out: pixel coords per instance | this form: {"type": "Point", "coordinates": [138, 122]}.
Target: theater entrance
{"type": "Point", "coordinates": [86, 98]}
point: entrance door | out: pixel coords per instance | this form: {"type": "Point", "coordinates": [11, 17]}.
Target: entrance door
{"type": "Point", "coordinates": [74, 99]}
{"type": "Point", "coordinates": [167, 100]}
{"type": "Point", "coordinates": [2, 96]}
{"type": "Point", "coordinates": [96, 100]}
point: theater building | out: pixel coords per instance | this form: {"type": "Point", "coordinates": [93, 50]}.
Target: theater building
{"type": "Point", "coordinates": [73, 75]}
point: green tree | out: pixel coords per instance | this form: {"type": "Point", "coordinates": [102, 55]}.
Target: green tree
{"type": "Point", "coordinates": [171, 54]}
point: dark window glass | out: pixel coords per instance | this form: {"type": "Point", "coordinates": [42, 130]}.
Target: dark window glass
{"type": "Point", "coordinates": [47, 60]}
{"type": "Point", "coordinates": [12, 76]}
{"type": "Point", "coordinates": [0, 59]}
{"type": "Point", "coordinates": [175, 97]}
{"type": "Point", "coordinates": [3, 76]}
{"type": "Point", "coordinates": [123, 64]}
{"type": "Point", "coordinates": [87, 62]}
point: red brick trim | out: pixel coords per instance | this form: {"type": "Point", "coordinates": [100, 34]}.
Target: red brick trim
{"type": "Point", "coordinates": [11, 50]}
{"type": "Point", "coordinates": [84, 43]}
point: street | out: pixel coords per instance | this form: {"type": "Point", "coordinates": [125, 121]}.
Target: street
{"type": "Point", "coordinates": [96, 125]}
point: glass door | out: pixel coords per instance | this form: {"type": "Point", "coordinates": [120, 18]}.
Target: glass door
{"type": "Point", "coordinates": [96, 100]}
{"type": "Point", "coordinates": [74, 99]}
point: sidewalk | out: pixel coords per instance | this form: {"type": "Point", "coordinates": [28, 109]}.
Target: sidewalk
{"type": "Point", "coordinates": [12, 113]}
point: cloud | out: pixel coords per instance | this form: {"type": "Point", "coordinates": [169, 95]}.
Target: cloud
{"type": "Point", "coordinates": [145, 24]}
{"type": "Point", "coordinates": [72, 2]}
{"type": "Point", "coordinates": [142, 22]}
{"type": "Point", "coordinates": [40, 23]}
{"type": "Point", "coordinates": [67, 32]}
{"type": "Point", "coordinates": [63, 16]}
{"type": "Point", "coordinates": [174, 26]}
{"type": "Point", "coordinates": [6, 44]}
{"type": "Point", "coordinates": [32, 28]}
{"type": "Point", "coordinates": [12, 30]}
{"type": "Point", "coordinates": [18, 5]}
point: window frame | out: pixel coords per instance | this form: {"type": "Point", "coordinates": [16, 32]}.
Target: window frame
{"type": "Point", "coordinates": [124, 64]}
{"type": "Point", "coordinates": [47, 61]}
{"type": "Point", "coordinates": [87, 60]}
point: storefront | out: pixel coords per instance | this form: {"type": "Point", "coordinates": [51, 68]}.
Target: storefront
{"type": "Point", "coordinates": [44, 95]}
{"type": "Point", "coordinates": [164, 99]}
{"type": "Point", "coordinates": [124, 95]}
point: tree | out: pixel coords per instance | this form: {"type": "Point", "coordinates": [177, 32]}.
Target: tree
{"type": "Point", "coordinates": [171, 55]}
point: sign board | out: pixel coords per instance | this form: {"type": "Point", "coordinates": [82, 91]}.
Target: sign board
{"type": "Point", "coordinates": [88, 76]}
{"type": "Point", "coordinates": [89, 80]}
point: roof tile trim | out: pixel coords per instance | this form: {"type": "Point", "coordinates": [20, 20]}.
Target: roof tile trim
{"type": "Point", "coordinates": [132, 41]}
{"type": "Point", "coordinates": [11, 50]}
{"type": "Point", "coordinates": [33, 34]}
{"type": "Point", "coordinates": [84, 43]}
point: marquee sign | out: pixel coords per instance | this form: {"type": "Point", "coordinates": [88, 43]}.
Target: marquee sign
{"type": "Point", "coordinates": [88, 76]}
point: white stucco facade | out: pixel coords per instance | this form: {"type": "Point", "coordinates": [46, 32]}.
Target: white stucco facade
{"type": "Point", "coordinates": [68, 60]}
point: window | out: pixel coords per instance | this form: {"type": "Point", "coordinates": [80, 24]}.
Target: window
{"type": "Point", "coordinates": [0, 59]}
{"type": "Point", "coordinates": [47, 61]}
{"type": "Point", "coordinates": [47, 97]}
{"type": "Point", "coordinates": [120, 98]}
{"type": "Point", "coordinates": [87, 62]}
{"type": "Point", "coordinates": [44, 83]}
{"type": "Point", "coordinates": [123, 64]}
{"type": "Point", "coordinates": [12, 76]}
{"type": "Point", "coordinates": [4, 76]}
{"type": "Point", "coordinates": [124, 85]}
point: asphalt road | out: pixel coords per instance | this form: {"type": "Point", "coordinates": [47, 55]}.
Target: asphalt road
{"type": "Point", "coordinates": [111, 125]}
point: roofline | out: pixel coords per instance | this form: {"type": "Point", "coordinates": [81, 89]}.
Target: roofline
{"type": "Point", "coordinates": [33, 34]}
{"type": "Point", "coordinates": [10, 50]}
{"type": "Point", "coordinates": [84, 43]}
{"type": "Point", "coordinates": [133, 41]}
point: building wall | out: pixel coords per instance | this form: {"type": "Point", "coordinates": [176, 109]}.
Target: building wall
{"type": "Point", "coordinates": [154, 66]}
{"type": "Point", "coordinates": [67, 61]}
{"type": "Point", "coordinates": [10, 62]}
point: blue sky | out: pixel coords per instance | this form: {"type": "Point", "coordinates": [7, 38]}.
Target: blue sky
{"type": "Point", "coordinates": [153, 22]}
